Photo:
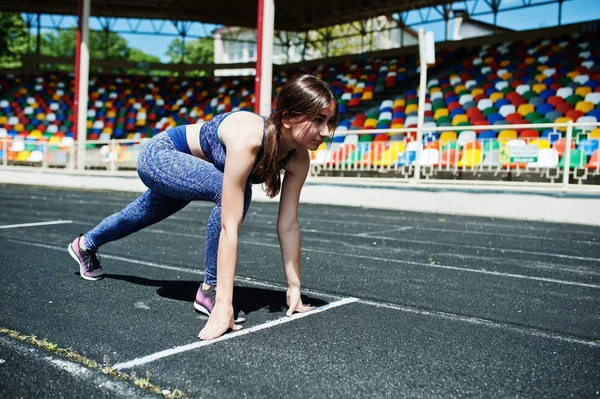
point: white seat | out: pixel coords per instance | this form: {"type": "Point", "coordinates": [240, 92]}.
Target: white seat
{"type": "Point", "coordinates": [548, 72]}
{"type": "Point", "coordinates": [486, 69]}
{"type": "Point", "coordinates": [435, 95]}
{"type": "Point", "coordinates": [564, 92]}
{"type": "Point", "coordinates": [455, 80]}
{"type": "Point", "coordinates": [585, 54]}
{"type": "Point", "coordinates": [581, 79]}
{"type": "Point", "coordinates": [386, 104]}
{"type": "Point", "coordinates": [430, 156]}
{"type": "Point", "coordinates": [543, 59]}
{"type": "Point", "coordinates": [385, 115]}
{"type": "Point", "coordinates": [594, 98]}
{"type": "Point", "coordinates": [470, 83]}
{"type": "Point", "coordinates": [412, 146]}
{"type": "Point", "coordinates": [522, 89]}
{"type": "Point", "coordinates": [507, 109]}
{"type": "Point", "coordinates": [427, 107]}
{"type": "Point", "coordinates": [587, 119]}
{"type": "Point", "coordinates": [13, 120]}
{"type": "Point", "coordinates": [501, 85]}
{"type": "Point", "coordinates": [516, 143]}
{"type": "Point", "coordinates": [484, 103]}
{"type": "Point", "coordinates": [433, 82]}
{"type": "Point", "coordinates": [36, 156]}
{"type": "Point", "coordinates": [588, 64]}
{"type": "Point", "coordinates": [411, 120]}
{"type": "Point", "coordinates": [466, 136]}
{"type": "Point", "coordinates": [547, 158]}
{"type": "Point", "coordinates": [465, 98]}
{"type": "Point", "coordinates": [351, 139]}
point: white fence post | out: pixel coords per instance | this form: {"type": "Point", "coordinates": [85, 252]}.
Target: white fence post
{"type": "Point", "coordinates": [567, 156]}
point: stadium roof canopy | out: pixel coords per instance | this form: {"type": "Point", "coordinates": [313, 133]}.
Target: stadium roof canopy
{"type": "Point", "coordinates": [291, 15]}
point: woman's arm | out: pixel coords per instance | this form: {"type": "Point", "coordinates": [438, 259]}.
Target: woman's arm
{"type": "Point", "coordinates": [238, 166]}
{"type": "Point", "coordinates": [288, 229]}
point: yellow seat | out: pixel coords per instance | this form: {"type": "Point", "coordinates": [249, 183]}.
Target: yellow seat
{"type": "Point", "coordinates": [563, 119]}
{"type": "Point", "coordinates": [540, 143]}
{"type": "Point", "coordinates": [370, 124]}
{"type": "Point", "coordinates": [397, 125]}
{"type": "Point", "coordinates": [390, 155]}
{"type": "Point", "coordinates": [583, 90]}
{"type": "Point", "coordinates": [367, 95]}
{"type": "Point", "coordinates": [540, 77]}
{"type": "Point", "coordinates": [447, 136]}
{"type": "Point", "coordinates": [440, 112]}
{"type": "Point", "coordinates": [505, 63]}
{"type": "Point", "coordinates": [89, 124]}
{"type": "Point", "coordinates": [584, 106]}
{"type": "Point", "coordinates": [530, 60]}
{"type": "Point", "coordinates": [524, 109]}
{"type": "Point", "coordinates": [358, 89]}
{"type": "Point", "coordinates": [595, 134]}
{"type": "Point", "coordinates": [3, 120]}
{"type": "Point", "coordinates": [538, 88]}
{"type": "Point", "coordinates": [460, 87]}
{"type": "Point", "coordinates": [458, 119]}
{"type": "Point", "coordinates": [507, 76]}
{"type": "Point", "coordinates": [496, 96]}
{"type": "Point", "coordinates": [23, 156]}
{"type": "Point", "coordinates": [399, 103]}
{"type": "Point", "coordinates": [573, 74]}
{"type": "Point", "coordinates": [470, 157]}
{"type": "Point", "coordinates": [434, 90]}
{"type": "Point", "coordinates": [477, 91]}
{"type": "Point", "coordinates": [507, 135]}
{"type": "Point", "coordinates": [411, 108]}
{"type": "Point", "coordinates": [19, 127]}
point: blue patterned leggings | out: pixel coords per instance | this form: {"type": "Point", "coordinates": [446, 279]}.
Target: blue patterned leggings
{"type": "Point", "coordinates": [174, 180]}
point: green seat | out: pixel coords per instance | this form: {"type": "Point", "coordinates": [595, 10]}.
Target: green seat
{"type": "Point", "coordinates": [529, 94]}
{"type": "Point", "coordinates": [574, 99]}
{"type": "Point", "coordinates": [490, 110]}
{"type": "Point", "coordinates": [365, 138]}
{"type": "Point", "coordinates": [578, 160]}
{"type": "Point", "coordinates": [451, 145]}
{"type": "Point", "coordinates": [30, 147]}
{"type": "Point", "coordinates": [533, 116]}
{"type": "Point", "coordinates": [490, 145]}
{"type": "Point", "coordinates": [443, 119]}
{"type": "Point", "coordinates": [507, 90]}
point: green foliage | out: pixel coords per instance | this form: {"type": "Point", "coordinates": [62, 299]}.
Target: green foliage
{"type": "Point", "coordinates": [13, 39]}
{"type": "Point", "coordinates": [199, 51]}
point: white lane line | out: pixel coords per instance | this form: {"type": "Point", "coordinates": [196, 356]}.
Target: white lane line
{"type": "Point", "coordinates": [13, 226]}
{"type": "Point", "coordinates": [368, 233]}
{"type": "Point", "coordinates": [244, 331]}
{"type": "Point", "coordinates": [409, 309]}
{"type": "Point", "coordinates": [436, 266]}
{"type": "Point", "coordinates": [437, 243]}
{"type": "Point", "coordinates": [485, 322]}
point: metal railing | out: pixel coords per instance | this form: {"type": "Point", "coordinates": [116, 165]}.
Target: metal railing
{"type": "Point", "coordinates": [399, 157]}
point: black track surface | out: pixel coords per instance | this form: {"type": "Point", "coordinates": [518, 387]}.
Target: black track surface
{"type": "Point", "coordinates": [449, 306]}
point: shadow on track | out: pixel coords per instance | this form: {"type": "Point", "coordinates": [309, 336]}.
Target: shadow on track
{"type": "Point", "coordinates": [248, 299]}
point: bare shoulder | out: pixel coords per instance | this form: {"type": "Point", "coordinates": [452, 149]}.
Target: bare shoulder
{"type": "Point", "coordinates": [242, 128]}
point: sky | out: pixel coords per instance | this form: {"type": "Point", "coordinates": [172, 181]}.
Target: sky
{"type": "Point", "coordinates": [521, 19]}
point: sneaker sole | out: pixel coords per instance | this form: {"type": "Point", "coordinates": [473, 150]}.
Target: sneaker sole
{"type": "Point", "coordinates": [76, 258]}
{"type": "Point", "coordinates": [201, 309]}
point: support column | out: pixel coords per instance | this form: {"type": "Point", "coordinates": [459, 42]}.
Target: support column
{"type": "Point", "coordinates": [264, 60]}
{"type": "Point", "coordinates": [82, 70]}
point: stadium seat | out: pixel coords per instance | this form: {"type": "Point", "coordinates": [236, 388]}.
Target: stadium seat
{"type": "Point", "coordinates": [547, 158]}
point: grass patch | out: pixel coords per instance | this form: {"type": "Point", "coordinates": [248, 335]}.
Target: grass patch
{"type": "Point", "coordinates": [105, 368]}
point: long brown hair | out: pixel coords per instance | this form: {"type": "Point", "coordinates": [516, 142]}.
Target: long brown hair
{"type": "Point", "coordinates": [305, 96]}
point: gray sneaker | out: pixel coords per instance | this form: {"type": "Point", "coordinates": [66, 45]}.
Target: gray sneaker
{"type": "Point", "coordinates": [205, 302]}
{"type": "Point", "coordinates": [89, 262]}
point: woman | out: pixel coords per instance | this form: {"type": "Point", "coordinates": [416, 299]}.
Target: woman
{"type": "Point", "coordinates": [219, 162]}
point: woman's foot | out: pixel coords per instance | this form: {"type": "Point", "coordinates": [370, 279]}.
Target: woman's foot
{"type": "Point", "coordinates": [89, 264]}
{"type": "Point", "coordinates": [205, 302]}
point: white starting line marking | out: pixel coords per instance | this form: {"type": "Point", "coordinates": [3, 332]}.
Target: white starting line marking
{"type": "Point", "coordinates": [12, 226]}
{"type": "Point", "coordinates": [244, 331]}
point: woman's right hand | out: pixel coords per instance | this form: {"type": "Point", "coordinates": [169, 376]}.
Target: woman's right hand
{"type": "Point", "coordinates": [220, 320]}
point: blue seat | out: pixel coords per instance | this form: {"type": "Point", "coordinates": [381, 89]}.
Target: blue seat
{"type": "Point", "coordinates": [595, 112]}
{"type": "Point", "coordinates": [487, 134]}
{"type": "Point", "coordinates": [588, 146]}
{"type": "Point", "coordinates": [500, 102]}
{"type": "Point", "coordinates": [495, 117]}
{"type": "Point", "coordinates": [551, 136]}
{"type": "Point", "coordinates": [407, 158]}
{"type": "Point", "coordinates": [456, 111]}
{"type": "Point", "coordinates": [544, 108]}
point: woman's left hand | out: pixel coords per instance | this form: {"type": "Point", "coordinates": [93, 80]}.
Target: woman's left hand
{"type": "Point", "coordinates": [294, 302]}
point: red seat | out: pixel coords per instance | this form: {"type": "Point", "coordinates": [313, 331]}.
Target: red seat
{"type": "Point", "coordinates": [555, 100]}
{"type": "Point", "coordinates": [448, 158]}
{"type": "Point", "coordinates": [594, 162]}
{"type": "Point", "coordinates": [564, 107]}
{"type": "Point", "coordinates": [529, 134]}
{"type": "Point", "coordinates": [560, 146]}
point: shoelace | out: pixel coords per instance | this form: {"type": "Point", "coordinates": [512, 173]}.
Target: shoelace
{"type": "Point", "coordinates": [94, 260]}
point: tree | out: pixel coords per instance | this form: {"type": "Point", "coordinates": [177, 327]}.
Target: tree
{"type": "Point", "coordinates": [13, 39]}
{"type": "Point", "coordinates": [199, 51]}
{"type": "Point", "coordinates": [102, 45]}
